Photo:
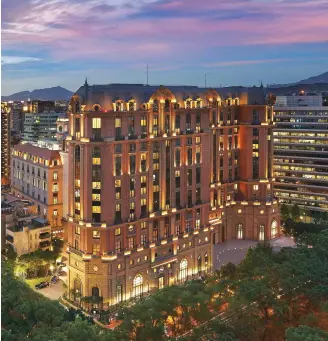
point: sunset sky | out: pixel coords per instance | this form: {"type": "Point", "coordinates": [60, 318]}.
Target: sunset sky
{"type": "Point", "coordinates": [235, 42]}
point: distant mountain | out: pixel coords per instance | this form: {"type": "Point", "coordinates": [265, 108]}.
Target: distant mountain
{"type": "Point", "coordinates": [321, 79]}
{"type": "Point", "coordinates": [56, 93]}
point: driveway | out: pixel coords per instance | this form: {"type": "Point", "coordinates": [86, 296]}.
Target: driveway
{"type": "Point", "coordinates": [54, 291]}
{"type": "Point", "coordinates": [235, 251]}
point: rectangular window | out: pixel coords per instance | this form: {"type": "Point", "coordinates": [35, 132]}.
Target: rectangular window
{"type": "Point", "coordinates": [131, 243]}
{"type": "Point", "coordinates": [55, 213]}
{"type": "Point", "coordinates": [55, 188]}
{"type": "Point", "coordinates": [96, 209]}
{"type": "Point", "coordinates": [118, 246]}
{"type": "Point", "coordinates": [117, 231]}
{"type": "Point", "coordinates": [118, 166]}
{"type": "Point", "coordinates": [55, 176]}
{"type": "Point", "coordinates": [96, 249]}
{"type": "Point", "coordinates": [118, 122]}
{"type": "Point", "coordinates": [132, 164]}
{"type": "Point", "coordinates": [55, 200]}
{"type": "Point", "coordinates": [95, 197]}
{"type": "Point", "coordinates": [96, 234]}
{"type": "Point", "coordinates": [96, 123]}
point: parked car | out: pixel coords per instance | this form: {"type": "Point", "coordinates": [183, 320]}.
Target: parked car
{"type": "Point", "coordinates": [41, 285]}
{"type": "Point", "coordinates": [54, 279]}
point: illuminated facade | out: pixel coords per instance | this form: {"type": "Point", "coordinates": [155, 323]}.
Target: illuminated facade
{"type": "Point", "coordinates": [301, 154]}
{"type": "Point", "coordinates": [37, 175]}
{"type": "Point", "coordinates": [5, 143]}
{"type": "Point", "coordinates": [157, 176]}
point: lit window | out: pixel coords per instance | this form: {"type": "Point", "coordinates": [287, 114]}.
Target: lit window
{"type": "Point", "coordinates": [55, 176]}
{"type": "Point", "coordinates": [96, 209]}
{"type": "Point", "coordinates": [255, 187]}
{"type": "Point", "coordinates": [55, 200]}
{"type": "Point", "coordinates": [96, 123]}
{"type": "Point", "coordinates": [55, 212]}
{"type": "Point", "coordinates": [117, 231]}
{"type": "Point", "coordinates": [240, 231]}
{"type": "Point", "coordinates": [96, 185]}
{"type": "Point", "coordinates": [96, 234]}
{"type": "Point", "coordinates": [96, 249]}
{"type": "Point", "coordinates": [261, 232]}
{"type": "Point", "coordinates": [138, 285]}
{"type": "Point", "coordinates": [95, 197]}
{"type": "Point", "coordinates": [183, 270]}
{"type": "Point", "coordinates": [118, 122]}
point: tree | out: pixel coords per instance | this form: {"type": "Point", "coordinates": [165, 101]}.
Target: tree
{"type": "Point", "coordinates": [296, 212]}
{"type": "Point", "coordinates": [305, 333]}
{"type": "Point", "coordinates": [284, 212]}
{"type": "Point", "coordinates": [228, 270]}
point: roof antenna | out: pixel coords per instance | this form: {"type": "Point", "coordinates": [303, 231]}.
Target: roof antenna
{"type": "Point", "coordinates": [205, 80]}
{"type": "Point", "coordinates": [147, 74]}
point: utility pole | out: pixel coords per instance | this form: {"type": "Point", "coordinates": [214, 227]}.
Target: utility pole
{"type": "Point", "coordinates": [147, 74]}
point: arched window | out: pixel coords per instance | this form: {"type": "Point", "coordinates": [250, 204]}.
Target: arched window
{"type": "Point", "coordinates": [137, 285]}
{"type": "Point", "coordinates": [198, 103]}
{"type": "Point", "coordinates": [155, 106]}
{"type": "Point", "coordinates": [236, 101]}
{"type": "Point", "coordinates": [95, 291]}
{"type": "Point", "coordinates": [206, 259]}
{"type": "Point", "coordinates": [167, 105]}
{"type": "Point", "coordinates": [188, 103]}
{"type": "Point", "coordinates": [261, 232]}
{"type": "Point", "coordinates": [131, 106]}
{"type": "Point", "coordinates": [77, 153]}
{"type": "Point", "coordinates": [77, 106]}
{"type": "Point", "coordinates": [274, 229]}
{"type": "Point", "coordinates": [77, 288]}
{"type": "Point", "coordinates": [183, 270]}
{"type": "Point", "coordinates": [240, 231]}
{"type": "Point", "coordinates": [118, 106]}
{"type": "Point", "coordinates": [199, 264]}
{"type": "Point", "coordinates": [119, 293]}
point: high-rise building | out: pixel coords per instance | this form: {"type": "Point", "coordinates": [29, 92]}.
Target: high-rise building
{"type": "Point", "coordinates": [157, 175]}
{"type": "Point", "coordinates": [37, 175]}
{"type": "Point", "coordinates": [5, 143]}
{"type": "Point", "coordinates": [301, 152]}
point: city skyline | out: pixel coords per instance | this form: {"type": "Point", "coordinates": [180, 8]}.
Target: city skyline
{"type": "Point", "coordinates": [234, 43]}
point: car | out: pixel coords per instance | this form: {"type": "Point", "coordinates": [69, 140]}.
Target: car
{"type": "Point", "coordinates": [41, 285]}
{"type": "Point", "coordinates": [54, 279]}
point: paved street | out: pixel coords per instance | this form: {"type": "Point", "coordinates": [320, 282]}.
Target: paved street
{"type": "Point", "coordinates": [234, 251]}
{"type": "Point", "coordinates": [54, 291]}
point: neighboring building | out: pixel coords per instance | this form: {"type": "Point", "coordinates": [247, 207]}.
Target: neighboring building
{"type": "Point", "coordinates": [13, 212]}
{"type": "Point", "coordinates": [38, 107]}
{"type": "Point", "coordinates": [301, 153]}
{"type": "Point", "coordinates": [5, 143]}
{"type": "Point", "coordinates": [29, 236]}
{"type": "Point", "coordinates": [157, 175]}
{"type": "Point", "coordinates": [41, 126]}
{"type": "Point", "coordinates": [302, 100]}
{"type": "Point", "coordinates": [38, 176]}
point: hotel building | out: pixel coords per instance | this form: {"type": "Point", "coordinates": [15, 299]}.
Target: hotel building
{"type": "Point", "coordinates": [157, 175]}
{"type": "Point", "coordinates": [301, 152]}
{"type": "Point", "coordinates": [37, 175]}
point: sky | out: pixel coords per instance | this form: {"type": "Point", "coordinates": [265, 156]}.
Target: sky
{"type": "Point", "coordinates": [234, 42]}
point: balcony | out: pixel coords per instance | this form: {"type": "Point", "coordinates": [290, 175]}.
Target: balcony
{"type": "Point", "coordinates": [45, 235]}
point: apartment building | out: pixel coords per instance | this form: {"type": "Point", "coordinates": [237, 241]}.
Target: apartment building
{"type": "Point", "coordinates": [301, 153]}
{"type": "Point", "coordinates": [157, 175]}
{"type": "Point", "coordinates": [38, 176]}
{"type": "Point", "coordinates": [5, 142]}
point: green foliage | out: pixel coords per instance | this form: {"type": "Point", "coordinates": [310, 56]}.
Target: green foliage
{"type": "Point", "coordinates": [296, 212]}
{"type": "Point", "coordinates": [305, 333]}
{"type": "Point", "coordinates": [27, 315]}
{"type": "Point", "coordinates": [284, 212]}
